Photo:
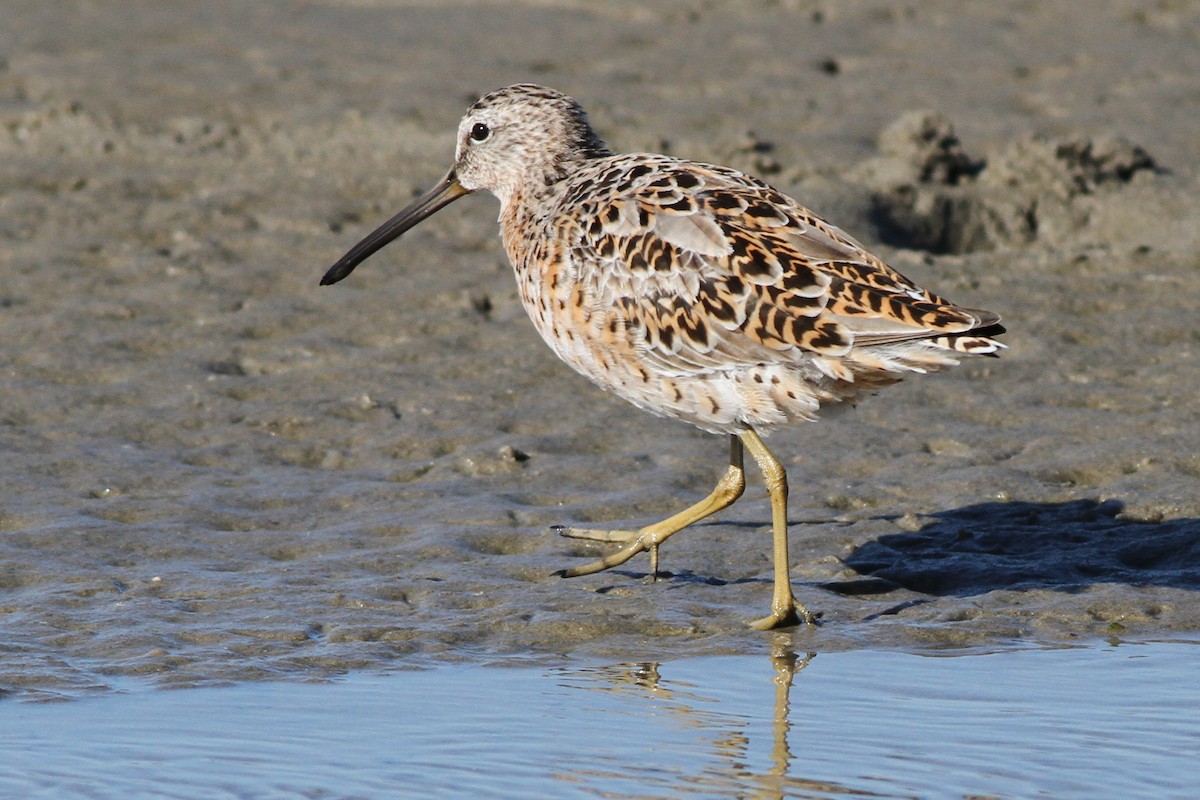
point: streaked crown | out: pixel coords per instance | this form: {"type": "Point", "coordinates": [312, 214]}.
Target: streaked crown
{"type": "Point", "coordinates": [521, 139]}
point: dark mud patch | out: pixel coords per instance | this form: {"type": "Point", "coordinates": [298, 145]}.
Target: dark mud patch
{"type": "Point", "coordinates": [930, 194]}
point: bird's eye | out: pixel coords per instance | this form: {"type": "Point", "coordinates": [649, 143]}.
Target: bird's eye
{"type": "Point", "coordinates": [479, 132]}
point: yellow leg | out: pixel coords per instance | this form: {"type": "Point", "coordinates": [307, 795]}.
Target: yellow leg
{"type": "Point", "coordinates": [728, 489]}
{"type": "Point", "coordinates": [784, 608]}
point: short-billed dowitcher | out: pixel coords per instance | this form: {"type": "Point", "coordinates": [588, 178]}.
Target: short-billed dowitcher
{"type": "Point", "coordinates": [691, 290]}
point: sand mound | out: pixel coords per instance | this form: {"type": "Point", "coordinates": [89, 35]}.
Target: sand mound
{"type": "Point", "coordinates": [930, 194]}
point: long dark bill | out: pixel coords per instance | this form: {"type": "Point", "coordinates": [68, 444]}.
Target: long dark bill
{"type": "Point", "coordinates": [446, 192]}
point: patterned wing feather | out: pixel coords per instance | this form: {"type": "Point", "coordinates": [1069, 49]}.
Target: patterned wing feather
{"type": "Point", "coordinates": [709, 269]}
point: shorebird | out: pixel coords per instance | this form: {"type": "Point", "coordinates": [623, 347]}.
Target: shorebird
{"type": "Point", "coordinates": [694, 291]}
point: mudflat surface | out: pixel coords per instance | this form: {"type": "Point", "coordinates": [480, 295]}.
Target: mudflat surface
{"type": "Point", "coordinates": [215, 470]}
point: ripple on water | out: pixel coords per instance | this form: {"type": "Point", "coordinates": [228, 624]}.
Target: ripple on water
{"type": "Point", "coordinates": [1081, 722]}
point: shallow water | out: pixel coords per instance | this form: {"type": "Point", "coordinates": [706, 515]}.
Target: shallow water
{"type": "Point", "coordinates": [1099, 721]}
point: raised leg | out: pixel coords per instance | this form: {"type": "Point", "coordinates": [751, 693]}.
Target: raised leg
{"type": "Point", "coordinates": [784, 608]}
{"type": "Point", "coordinates": [728, 489]}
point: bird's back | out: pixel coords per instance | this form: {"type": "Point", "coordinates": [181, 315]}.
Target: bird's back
{"type": "Point", "coordinates": [698, 292]}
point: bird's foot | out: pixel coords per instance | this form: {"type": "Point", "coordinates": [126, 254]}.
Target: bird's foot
{"type": "Point", "coordinates": [635, 542]}
{"type": "Point", "coordinates": [785, 615]}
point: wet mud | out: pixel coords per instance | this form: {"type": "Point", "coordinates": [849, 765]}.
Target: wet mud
{"type": "Point", "coordinates": [215, 470]}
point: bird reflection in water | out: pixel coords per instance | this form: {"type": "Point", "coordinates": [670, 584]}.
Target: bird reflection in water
{"type": "Point", "coordinates": [729, 765]}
